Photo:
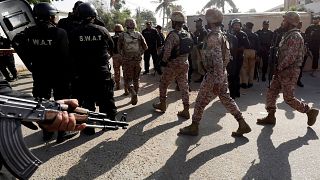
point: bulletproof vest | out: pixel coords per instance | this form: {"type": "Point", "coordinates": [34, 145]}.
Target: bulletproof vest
{"type": "Point", "coordinates": [185, 44]}
{"type": "Point", "coordinates": [207, 55]}
{"type": "Point", "coordinates": [132, 43]}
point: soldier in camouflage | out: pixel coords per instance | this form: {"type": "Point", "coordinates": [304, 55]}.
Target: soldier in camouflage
{"type": "Point", "coordinates": [290, 58]}
{"type": "Point", "coordinates": [116, 57]}
{"type": "Point", "coordinates": [131, 46]}
{"type": "Point", "coordinates": [217, 56]}
{"type": "Point", "coordinates": [176, 69]}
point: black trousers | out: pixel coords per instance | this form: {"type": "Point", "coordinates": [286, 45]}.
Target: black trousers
{"type": "Point", "coordinates": [7, 62]}
{"type": "Point", "coordinates": [233, 70]}
{"type": "Point", "coordinates": [42, 88]}
{"type": "Point", "coordinates": [315, 54]}
{"type": "Point", "coordinates": [265, 63]}
{"type": "Point", "coordinates": [146, 57]}
{"type": "Point", "coordinates": [100, 93]}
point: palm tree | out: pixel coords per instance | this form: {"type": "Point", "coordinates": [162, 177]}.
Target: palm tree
{"type": "Point", "coordinates": [164, 6]}
{"type": "Point", "coordinates": [219, 4]}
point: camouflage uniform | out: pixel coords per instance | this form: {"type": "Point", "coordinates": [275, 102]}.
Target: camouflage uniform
{"type": "Point", "coordinates": [117, 63]}
{"type": "Point", "coordinates": [176, 69]}
{"type": "Point", "coordinates": [291, 50]}
{"type": "Point", "coordinates": [215, 81]}
{"type": "Point", "coordinates": [216, 57]}
{"type": "Point", "coordinates": [131, 61]}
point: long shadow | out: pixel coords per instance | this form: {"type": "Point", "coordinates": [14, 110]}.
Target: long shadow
{"type": "Point", "coordinates": [46, 152]}
{"type": "Point", "coordinates": [107, 155]}
{"type": "Point", "coordinates": [274, 162]}
{"type": "Point", "coordinates": [177, 166]}
{"type": "Point", "coordinates": [289, 111]}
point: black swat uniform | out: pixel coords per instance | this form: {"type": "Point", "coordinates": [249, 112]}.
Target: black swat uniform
{"type": "Point", "coordinates": [44, 50]}
{"type": "Point", "coordinates": [313, 42]}
{"type": "Point", "coordinates": [89, 45]}
{"type": "Point", "coordinates": [153, 41]}
{"type": "Point", "coordinates": [7, 61]}
{"type": "Point", "coordinates": [265, 38]}
{"type": "Point", "coordinates": [243, 43]}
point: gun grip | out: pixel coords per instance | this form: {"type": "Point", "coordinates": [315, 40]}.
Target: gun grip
{"type": "Point", "coordinates": [14, 153]}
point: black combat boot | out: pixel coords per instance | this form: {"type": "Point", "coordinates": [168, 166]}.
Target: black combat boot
{"type": "Point", "coordinates": [65, 135]}
{"type": "Point", "coordinates": [312, 116]}
{"type": "Point", "coordinates": [191, 130]}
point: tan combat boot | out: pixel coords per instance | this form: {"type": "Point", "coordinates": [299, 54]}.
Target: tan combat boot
{"type": "Point", "coordinates": [270, 119]}
{"type": "Point", "coordinates": [242, 129]}
{"type": "Point", "coordinates": [185, 112]}
{"type": "Point", "coordinates": [312, 116]}
{"type": "Point", "coordinates": [162, 106]}
{"type": "Point", "coordinates": [191, 130]}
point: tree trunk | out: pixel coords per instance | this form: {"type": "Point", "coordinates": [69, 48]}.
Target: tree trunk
{"type": "Point", "coordinates": [163, 16]}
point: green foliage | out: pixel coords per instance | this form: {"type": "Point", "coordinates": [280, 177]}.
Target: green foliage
{"type": "Point", "coordinates": [143, 16]}
{"type": "Point", "coordinates": [114, 17]}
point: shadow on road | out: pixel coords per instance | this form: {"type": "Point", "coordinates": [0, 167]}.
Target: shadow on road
{"type": "Point", "coordinates": [274, 162]}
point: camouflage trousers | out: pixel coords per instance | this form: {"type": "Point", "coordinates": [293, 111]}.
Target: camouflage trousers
{"type": "Point", "coordinates": [175, 70]}
{"type": "Point", "coordinates": [286, 81]}
{"type": "Point", "coordinates": [117, 63]}
{"type": "Point", "coordinates": [131, 74]}
{"type": "Point", "coordinates": [208, 91]}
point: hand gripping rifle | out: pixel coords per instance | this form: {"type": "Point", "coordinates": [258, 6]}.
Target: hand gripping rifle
{"type": "Point", "coordinates": [14, 153]}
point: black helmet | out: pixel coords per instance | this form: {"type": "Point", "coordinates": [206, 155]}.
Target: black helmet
{"type": "Point", "coordinates": [44, 10]}
{"type": "Point", "coordinates": [86, 10]}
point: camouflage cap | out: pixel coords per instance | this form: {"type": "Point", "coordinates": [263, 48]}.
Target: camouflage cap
{"type": "Point", "coordinates": [236, 20]}
{"type": "Point", "coordinates": [130, 23]}
{"type": "Point", "coordinates": [214, 15]}
{"type": "Point", "coordinates": [178, 16]}
{"type": "Point", "coordinates": [265, 22]}
{"type": "Point", "coordinates": [292, 18]}
{"type": "Point", "coordinates": [118, 28]}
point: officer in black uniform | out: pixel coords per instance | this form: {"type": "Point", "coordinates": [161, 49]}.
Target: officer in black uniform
{"type": "Point", "coordinates": [153, 40]}
{"type": "Point", "coordinates": [72, 21]}
{"type": "Point", "coordinates": [44, 50]}
{"type": "Point", "coordinates": [7, 60]}
{"type": "Point", "coordinates": [90, 46]}
{"type": "Point", "coordinates": [243, 43]}
{"type": "Point", "coordinates": [198, 37]}
{"type": "Point", "coordinates": [162, 38]}
{"type": "Point", "coordinates": [265, 37]}
{"type": "Point", "coordinates": [313, 42]}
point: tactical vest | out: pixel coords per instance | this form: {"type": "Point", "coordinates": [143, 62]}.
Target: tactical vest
{"type": "Point", "coordinates": [132, 44]}
{"type": "Point", "coordinates": [207, 56]}
{"type": "Point", "coordinates": [185, 46]}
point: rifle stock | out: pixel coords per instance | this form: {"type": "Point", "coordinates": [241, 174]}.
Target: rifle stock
{"type": "Point", "coordinates": [14, 153]}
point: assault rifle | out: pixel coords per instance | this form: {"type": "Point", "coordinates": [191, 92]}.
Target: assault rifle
{"type": "Point", "coordinates": [14, 154]}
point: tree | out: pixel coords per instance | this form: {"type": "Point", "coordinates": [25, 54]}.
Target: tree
{"type": "Point", "coordinates": [143, 16]}
{"type": "Point", "coordinates": [117, 4]}
{"type": "Point", "coordinates": [172, 8]}
{"type": "Point", "coordinates": [110, 18]}
{"type": "Point", "coordinates": [164, 6]}
{"type": "Point", "coordinates": [219, 4]}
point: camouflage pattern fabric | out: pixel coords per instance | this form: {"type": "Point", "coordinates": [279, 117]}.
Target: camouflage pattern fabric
{"type": "Point", "coordinates": [291, 50]}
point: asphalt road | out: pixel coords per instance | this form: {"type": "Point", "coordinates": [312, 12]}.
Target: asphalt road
{"type": "Point", "coordinates": [151, 149]}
